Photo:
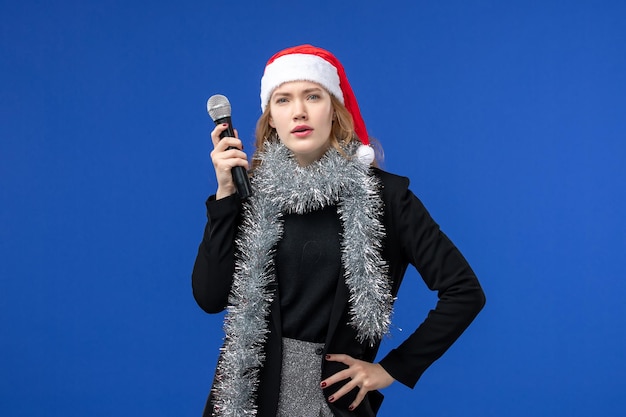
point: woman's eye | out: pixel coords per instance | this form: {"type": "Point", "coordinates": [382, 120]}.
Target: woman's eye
{"type": "Point", "coordinates": [314, 97]}
{"type": "Point", "coordinates": [281, 100]}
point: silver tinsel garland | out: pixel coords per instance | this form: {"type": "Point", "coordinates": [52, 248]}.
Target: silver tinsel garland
{"type": "Point", "coordinates": [282, 186]}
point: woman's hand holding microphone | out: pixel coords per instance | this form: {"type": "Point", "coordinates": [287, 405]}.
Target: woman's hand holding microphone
{"type": "Point", "coordinates": [224, 159]}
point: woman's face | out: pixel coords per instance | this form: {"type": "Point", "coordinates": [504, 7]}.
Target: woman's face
{"type": "Point", "coordinates": [302, 114]}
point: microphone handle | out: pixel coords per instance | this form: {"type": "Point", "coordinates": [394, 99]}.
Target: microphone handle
{"type": "Point", "coordinates": [240, 176]}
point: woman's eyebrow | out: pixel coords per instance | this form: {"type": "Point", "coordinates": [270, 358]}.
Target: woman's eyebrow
{"type": "Point", "coordinates": [312, 90]}
{"type": "Point", "coordinates": [281, 93]}
{"type": "Point", "coordinates": [305, 91]}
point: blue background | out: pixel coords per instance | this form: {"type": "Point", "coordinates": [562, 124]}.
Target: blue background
{"type": "Point", "coordinates": [509, 118]}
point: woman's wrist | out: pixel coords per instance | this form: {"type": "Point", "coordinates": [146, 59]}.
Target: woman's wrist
{"type": "Point", "coordinates": [223, 192]}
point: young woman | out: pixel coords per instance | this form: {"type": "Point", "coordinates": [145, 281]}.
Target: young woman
{"type": "Point", "coordinates": [308, 267]}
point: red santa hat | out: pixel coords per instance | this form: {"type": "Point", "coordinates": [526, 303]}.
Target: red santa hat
{"type": "Point", "coordinates": [310, 63]}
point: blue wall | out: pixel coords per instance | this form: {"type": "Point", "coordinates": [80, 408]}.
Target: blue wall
{"type": "Point", "coordinates": [509, 118]}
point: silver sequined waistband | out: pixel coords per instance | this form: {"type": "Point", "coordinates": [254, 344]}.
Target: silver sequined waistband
{"type": "Point", "coordinates": [300, 392]}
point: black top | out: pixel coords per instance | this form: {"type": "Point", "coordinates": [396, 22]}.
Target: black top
{"type": "Point", "coordinates": [310, 265]}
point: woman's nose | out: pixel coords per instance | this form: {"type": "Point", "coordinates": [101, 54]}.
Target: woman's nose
{"type": "Point", "coordinates": [299, 111]}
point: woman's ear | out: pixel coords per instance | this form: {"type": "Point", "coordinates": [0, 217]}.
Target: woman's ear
{"type": "Point", "coordinates": [270, 121]}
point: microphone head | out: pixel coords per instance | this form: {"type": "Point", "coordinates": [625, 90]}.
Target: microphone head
{"type": "Point", "coordinates": [218, 107]}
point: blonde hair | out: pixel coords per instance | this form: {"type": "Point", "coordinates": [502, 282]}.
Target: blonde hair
{"type": "Point", "coordinates": [341, 133]}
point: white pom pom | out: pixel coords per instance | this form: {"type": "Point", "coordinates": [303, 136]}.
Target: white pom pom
{"type": "Point", "coordinates": [365, 154]}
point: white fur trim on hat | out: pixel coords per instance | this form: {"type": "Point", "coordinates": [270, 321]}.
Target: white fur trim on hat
{"type": "Point", "coordinates": [299, 67]}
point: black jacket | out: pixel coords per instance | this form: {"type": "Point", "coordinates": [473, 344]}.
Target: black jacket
{"type": "Point", "coordinates": [412, 237]}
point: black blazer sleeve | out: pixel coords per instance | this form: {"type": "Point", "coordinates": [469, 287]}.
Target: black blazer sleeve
{"type": "Point", "coordinates": [213, 270]}
{"type": "Point", "coordinates": [414, 238]}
